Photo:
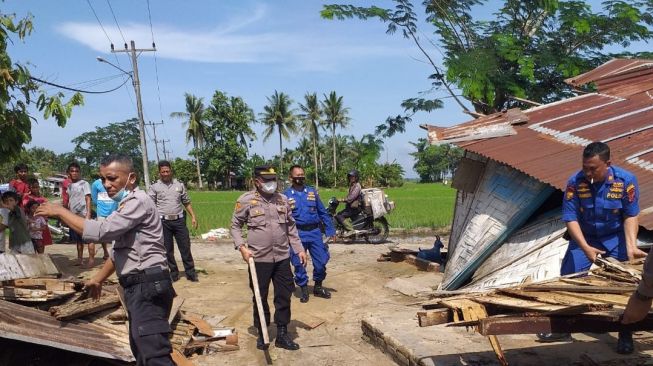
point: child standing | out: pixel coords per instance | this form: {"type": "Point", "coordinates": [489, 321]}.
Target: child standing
{"type": "Point", "coordinates": [36, 225]}
{"type": "Point", "coordinates": [35, 195]}
{"type": "Point", "coordinates": [19, 240]}
{"type": "Point", "coordinates": [19, 184]}
{"type": "Point", "coordinates": [79, 202]}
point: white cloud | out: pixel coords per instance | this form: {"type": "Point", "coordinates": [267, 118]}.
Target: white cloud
{"type": "Point", "coordinates": [234, 42]}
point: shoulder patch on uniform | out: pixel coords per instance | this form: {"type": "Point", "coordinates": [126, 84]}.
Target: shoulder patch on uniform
{"type": "Point", "coordinates": [238, 205]}
{"type": "Point", "coordinates": [630, 190]}
{"type": "Point", "coordinates": [570, 191]}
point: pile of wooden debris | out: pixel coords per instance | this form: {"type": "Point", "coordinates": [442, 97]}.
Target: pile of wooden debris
{"type": "Point", "coordinates": [586, 302]}
{"type": "Point", "coordinates": [48, 311]}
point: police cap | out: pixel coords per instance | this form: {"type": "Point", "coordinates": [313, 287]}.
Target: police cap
{"type": "Point", "coordinates": [265, 171]}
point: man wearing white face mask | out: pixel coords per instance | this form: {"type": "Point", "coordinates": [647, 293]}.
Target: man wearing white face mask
{"type": "Point", "coordinates": [271, 230]}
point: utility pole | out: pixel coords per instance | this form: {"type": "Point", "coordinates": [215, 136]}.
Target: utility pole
{"type": "Point", "coordinates": [165, 152]}
{"type": "Point", "coordinates": [139, 105]}
{"type": "Point", "coordinates": [156, 142]}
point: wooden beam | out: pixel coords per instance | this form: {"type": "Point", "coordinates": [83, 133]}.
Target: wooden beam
{"type": "Point", "coordinates": [428, 318]}
{"type": "Point", "coordinates": [82, 308]}
{"type": "Point", "coordinates": [584, 289]}
{"type": "Point", "coordinates": [544, 324]}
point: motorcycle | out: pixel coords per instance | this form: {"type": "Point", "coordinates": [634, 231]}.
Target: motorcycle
{"type": "Point", "coordinates": [373, 231]}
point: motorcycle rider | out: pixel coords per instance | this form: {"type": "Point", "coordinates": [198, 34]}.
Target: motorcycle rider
{"type": "Point", "coordinates": [352, 203]}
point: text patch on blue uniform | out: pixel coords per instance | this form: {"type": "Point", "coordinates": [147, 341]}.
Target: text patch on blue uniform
{"type": "Point", "coordinates": [615, 196]}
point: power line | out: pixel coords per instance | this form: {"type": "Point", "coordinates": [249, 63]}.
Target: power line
{"type": "Point", "coordinates": [79, 90]}
{"type": "Point", "coordinates": [98, 20]}
{"type": "Point", "coordinates": [156, 64]}
{"type": "Point", "coordinates": [118, 25]}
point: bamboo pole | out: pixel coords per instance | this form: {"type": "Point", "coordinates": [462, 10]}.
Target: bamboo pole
{"type": "Point", "coordinates": [259, 303]}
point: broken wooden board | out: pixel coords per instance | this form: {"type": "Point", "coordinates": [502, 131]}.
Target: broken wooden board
{"type": "Point", "coordinates": [177, 302]}
{"type": "Point", "coordinates": [576, 324]}
{"type": "Point", "coordinates": [15, 266]}
{"type": "Point", "coordinates": [434, 317]}
{"type": "Point", "coordinates": [85, 307]}
{"type": "Point", "coordinates": [202, 326]}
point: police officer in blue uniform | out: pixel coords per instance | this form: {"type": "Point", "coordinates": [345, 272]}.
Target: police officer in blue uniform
{"type": "Point", "coordinates": [600, 209]}
{"type": "Point", "coordinates": [310, 214]}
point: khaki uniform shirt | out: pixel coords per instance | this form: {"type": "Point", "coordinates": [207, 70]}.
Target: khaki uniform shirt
{"type": "Point", "coordinates": [270, 226]}
{"type": "Point", "coordinates": [169, 198]}
{"type": "Point", "coordinates": [136, 228]}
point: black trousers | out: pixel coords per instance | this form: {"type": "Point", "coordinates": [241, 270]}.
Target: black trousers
{"type": "Point", "coordinates": [148, 307]}
{"type": "Point", "coordinates": [179, 230]}
{"type": "Point", "coordinates": [347, 212]}
{"type": "Point", "coordinates": [280, 275]}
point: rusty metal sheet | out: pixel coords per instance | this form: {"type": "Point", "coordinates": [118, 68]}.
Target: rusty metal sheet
{"type": "Point", "coordinates": [608, 69]}
{"type": "Point", "coordinates": [549, 146]}
{"type": "Point", "coordinates": [26, 324]}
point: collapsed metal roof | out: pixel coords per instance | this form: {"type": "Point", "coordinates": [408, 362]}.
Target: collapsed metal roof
{"type": "Point", "coordinates": [546, 142]}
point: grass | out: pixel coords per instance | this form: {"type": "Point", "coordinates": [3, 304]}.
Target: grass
{"type": "Point", "coordinates": [417, 206]}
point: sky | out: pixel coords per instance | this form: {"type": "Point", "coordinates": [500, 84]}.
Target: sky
{"type": "Point", "coordinates": [244, 48]}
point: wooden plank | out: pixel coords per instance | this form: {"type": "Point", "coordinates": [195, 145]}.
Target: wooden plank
{"type": "Point", "coordinates": [544, 324]}
{"type": "Point", "coordinates": [579, 309]}
{"type": "Point", "coordinates": [85, 307]}
{"type": "Point", "coordinates": [428, 318]}
{"type": "Point", "coordinates": [422, 264]}
{"type": "Point", "coordinates": [179, 359]}
{"type": "Point", "coordinates": [518, 304]}
{"type": "Point", "coordinates": [583, 289]}
{"type": "Point", "coordinates": [614, 299]}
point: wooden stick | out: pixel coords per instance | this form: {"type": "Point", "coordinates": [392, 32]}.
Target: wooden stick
{"type": "Point", "coordinates": [259, 303]}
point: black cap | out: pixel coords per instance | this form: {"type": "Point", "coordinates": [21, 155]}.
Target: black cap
{"type": "Point", "coordinates": [265, 171]}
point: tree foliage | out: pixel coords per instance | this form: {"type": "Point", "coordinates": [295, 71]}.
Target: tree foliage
{"type": "Point", "coordinates": [434, 162]}
{"type": "Point", "coordinates": [19, 92]}
{"type": "Point", "coordinates": [227, 138]}
{"type": "Point", "coordinates": [525, 51]}
{"type": "Point", "coordinates": [193, 118]}
{"type": "Point", "coordinates": [91, 147]}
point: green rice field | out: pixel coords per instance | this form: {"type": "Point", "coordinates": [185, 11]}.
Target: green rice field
{"type": "Point", "coordinates": [417, 206]}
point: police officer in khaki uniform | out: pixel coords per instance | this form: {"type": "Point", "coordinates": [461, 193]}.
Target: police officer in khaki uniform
{"type": "Point", "coordinates": [270, 231]}
{"type": "Point", "coordinates": [171, 197]}
{"type": "Point", "coordinates": [138, 257]}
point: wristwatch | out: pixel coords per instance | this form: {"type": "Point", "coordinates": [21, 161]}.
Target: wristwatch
{"type": "Point", "coordinates": [642, 297]}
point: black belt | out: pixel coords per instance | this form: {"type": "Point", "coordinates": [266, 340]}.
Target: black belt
{"type": "Point", "coordinates": [308, 227]}
{"type": "Point", "coordinates": [147, 275]}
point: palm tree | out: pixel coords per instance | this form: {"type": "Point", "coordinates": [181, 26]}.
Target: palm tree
{"type": "Point", "coordinates": [278, 115]}
{"type": "Point", "coordinates": [195, 127]}
{"type": "Point", "coordinates": [311, 121]}
{"type": "Point", "coordinates": [336, 116]}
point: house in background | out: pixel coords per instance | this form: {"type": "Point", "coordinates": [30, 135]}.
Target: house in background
{"type": "Point", "coordinates": [507, 227]}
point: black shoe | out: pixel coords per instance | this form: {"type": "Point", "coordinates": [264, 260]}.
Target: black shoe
{"type": "Point", "coordinates": [259, 343]}
{"type": "Point", "coordinates": [304, 297]}
{"type": "Point", "coordinates": [554, 337]}
{"type": "Point", "coordinates": [625, 344]}
{"type": "Point", "coordinates": [283, 339]}
{"type": "Point", "coordinates": [193, 278]}
{"type": "Point", "coordinates": [320, 291]}
{"type": "Point", "coordinates": [174, 276]}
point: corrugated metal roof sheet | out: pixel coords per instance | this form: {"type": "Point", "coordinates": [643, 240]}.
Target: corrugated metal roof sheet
{"type": "Point", "coordinates": [549, 146]}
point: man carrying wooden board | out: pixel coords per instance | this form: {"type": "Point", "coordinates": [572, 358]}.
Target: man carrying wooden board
{"type": "Point", "coordinates": [271, 230]}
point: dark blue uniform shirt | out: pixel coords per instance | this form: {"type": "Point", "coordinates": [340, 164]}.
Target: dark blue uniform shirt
{"type": "Point", "coordinates": [307, 208]}
{"type": "Point", "coordinates": [601, 208]}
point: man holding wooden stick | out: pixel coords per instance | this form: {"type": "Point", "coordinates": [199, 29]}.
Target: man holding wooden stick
{"type": "Point", "coordinates": [271, 231]}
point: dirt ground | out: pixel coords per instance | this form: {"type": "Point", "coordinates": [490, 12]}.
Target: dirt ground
{"type": "Point", "coordinates": [328, 331]}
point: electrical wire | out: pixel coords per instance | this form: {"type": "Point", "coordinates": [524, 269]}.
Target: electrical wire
{"type": "Point", "coordinates": [156, 64]}
{"type": "Point", "coordinates": [116, 20]}
{"type": "Point", "coordinates": [79, 90]}
{"type": "Point", "coordinates": [98, 20]}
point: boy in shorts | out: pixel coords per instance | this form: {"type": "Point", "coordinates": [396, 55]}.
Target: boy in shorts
{"type": "Point", "coordinates": [79, 203]}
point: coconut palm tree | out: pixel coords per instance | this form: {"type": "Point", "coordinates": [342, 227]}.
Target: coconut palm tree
{"type": "Point", "coordinates": [311, 121]}
{"type": "Point", "coordinates": [336, 115]}
{"type": "Point", "coordinates": [195, 127]}
{"type": "Point", "coordinates": [278, 115]}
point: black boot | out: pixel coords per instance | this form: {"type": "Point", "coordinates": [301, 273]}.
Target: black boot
{"type": "Point", "coordinates": [283, 339]}
{"type": "Point", "coordinates": [260, 343]}
{"type": "Point", "coordinates": [320, 291]}
{"type": "Point", "coordinates": [304, 297]}
{"type": "Point", "coordinates": [625, 344]}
